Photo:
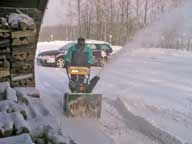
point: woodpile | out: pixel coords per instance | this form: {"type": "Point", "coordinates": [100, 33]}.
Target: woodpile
{"type": "Point", "coordinates": [20, 21]}
{"type": "Point", "coordinates": [21, 139]}
{"type": "Point", "coordinates": [6, 125]}
{"type": "Point", "coordinates": [29, 91]}
{"type": "Point", "coordinates": [20, 117]}
{"type": "Point", "coordinates": [13, 114]}
{"type": "Point", "coordinates": [18, 38]}
{"type": "Point", "coordinates": [48, 135]}
{"type": "Point", "coordinates": [4, 67]}
{"type": "Point", "coordinates": [5, 51]}
{"type": "Point", "coordinates": [12, 123]}
{"type": "Point", "coordinates": [22, 97]}
{"type": "Point", "coordinates": [22, 80]}
{"type": "Point", "coordinates": [4, 24]}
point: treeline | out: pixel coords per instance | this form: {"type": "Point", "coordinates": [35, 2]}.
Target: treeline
{"type": "Point", "coordinates": [115, 21]}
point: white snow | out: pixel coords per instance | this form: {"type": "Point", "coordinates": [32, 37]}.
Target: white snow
{"type": "Point", "coordinates": [146, 95]}
{"type": "Point", "coordinates": [154, 84]}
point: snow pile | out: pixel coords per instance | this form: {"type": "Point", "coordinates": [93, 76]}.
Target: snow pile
{"type": "Point", "coordinates": [20, 21]}
{"type": "Point", "coordinates": [23, 113]}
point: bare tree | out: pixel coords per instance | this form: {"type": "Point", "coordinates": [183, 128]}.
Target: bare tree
{"type": "Point", "coordinates": [145, 12]}
{"type": "Point", "coordinates": [98, 19]}
{"type": "Point", "coordinates": [127, 4]}
{"type": "Point", "coordinates": [137, 7]}
{"type": "Point", "coordinates": [79, 15]}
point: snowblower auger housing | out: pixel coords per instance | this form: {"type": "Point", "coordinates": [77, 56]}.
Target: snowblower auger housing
{"type": "Point", "coordinates": [81, 102]}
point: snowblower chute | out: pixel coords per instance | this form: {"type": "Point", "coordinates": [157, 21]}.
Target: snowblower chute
{"type": "Point", "coordinates": [80, 102]}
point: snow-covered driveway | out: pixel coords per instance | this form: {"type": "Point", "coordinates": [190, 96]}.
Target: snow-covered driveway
{"type": "Point", "coordinates": [147, 99]}
{"type": "Point", "coordinates": [52, 83]}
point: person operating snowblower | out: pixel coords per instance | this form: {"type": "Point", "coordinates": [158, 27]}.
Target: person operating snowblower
{"type": "Point", "coordinates": [80, 102]}
{"type": "Point", "coordinates": [79, 55]}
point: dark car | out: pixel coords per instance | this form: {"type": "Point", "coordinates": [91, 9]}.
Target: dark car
{"type": "Point", "coordinates": [101, 52]}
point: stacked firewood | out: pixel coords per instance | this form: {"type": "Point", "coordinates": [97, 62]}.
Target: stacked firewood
{"type": "Point", "coordinates": [17, 49]}
{"type": "Point", "coordinates": [12, 112]}
{"type": "Point", "coordinates": [5, 52]}
{"type": "Point", "coordinates": [25, 120]}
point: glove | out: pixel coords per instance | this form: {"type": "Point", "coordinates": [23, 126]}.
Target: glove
{"type": "Point", "coordinates": [67, 64]}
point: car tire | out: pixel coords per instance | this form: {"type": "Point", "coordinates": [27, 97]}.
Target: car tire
{"type": "Point", "coordinates": [60, 63]}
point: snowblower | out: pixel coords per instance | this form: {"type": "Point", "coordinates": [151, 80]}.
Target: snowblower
{"type": "Point", "coordinates": [80, 102]}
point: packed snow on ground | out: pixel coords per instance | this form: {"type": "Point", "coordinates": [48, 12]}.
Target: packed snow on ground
{"type": "Point", "coordinates": [146, 98]}
{"type": "Point", "coordinates": [52, 84]}
{"type": "Point", "coordinates": [154, 84]}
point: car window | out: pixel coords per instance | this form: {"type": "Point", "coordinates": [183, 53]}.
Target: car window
{"type": "Point", "coordinates": [92, 46]}
{"type": "Point", "coordinates": [105, 47]}
{"type": "Point", "coordinates": [66, 47]}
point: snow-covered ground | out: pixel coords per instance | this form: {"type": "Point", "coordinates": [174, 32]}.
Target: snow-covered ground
{"type": "Point", "coordinates": [147, 98]}
{"type": "Point", "coordinates": [53, 83]}
{"type": "Point", "coordinates": [155, 86]}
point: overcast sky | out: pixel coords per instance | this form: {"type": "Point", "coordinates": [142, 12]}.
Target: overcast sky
{"type": "Point", "coordinates": [56, 13]}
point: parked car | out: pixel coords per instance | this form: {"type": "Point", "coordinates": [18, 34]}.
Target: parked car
{"type": "Point", "coordinates": [101, 52]}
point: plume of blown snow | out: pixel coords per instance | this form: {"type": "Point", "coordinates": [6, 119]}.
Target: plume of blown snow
{"type": "Point", "coordinates": [175, 24]}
